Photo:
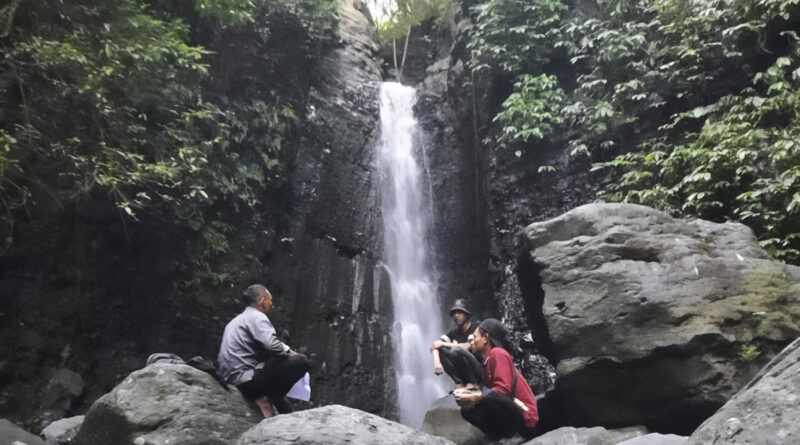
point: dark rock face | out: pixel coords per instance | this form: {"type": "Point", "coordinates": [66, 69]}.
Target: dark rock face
{"type": "Point", "coordinates": [166, 403]}
{"type": "Point", "coordinates": [652, 320]}
{"type": "Point", "coordinates": [332, 295]}
{"type": "Point", "coordinates": [763, 412]}
{"type": "Point", "coordinates": [453, 160]}
{"type": "Point", "coordinates": [334, 424]}
{"type": "Point", "coordinates": [587, 436]}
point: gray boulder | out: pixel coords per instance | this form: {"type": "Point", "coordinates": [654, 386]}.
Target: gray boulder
{"type": "Point", "coordinates": [587, 436]}
{"type": "Point", "coordinates": [62, 432]}
{"type": "Point", "coordinates": [656, 439]}
{"type": "Point", "coordinates": [653, 320]}
{"type": "Point", "coordinates": [765, 412]}
{"type": "Point", "coordinates": [11, 434]}
{"type": "Point", "coordinates": [168, 403]}
{"type": "Point", "coordinates": [444, 420]}
{"type": "Point", "coordinates": [335, 424]}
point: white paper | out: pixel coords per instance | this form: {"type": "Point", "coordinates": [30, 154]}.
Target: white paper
{"type": "Point", "coordinates": [301, 389]}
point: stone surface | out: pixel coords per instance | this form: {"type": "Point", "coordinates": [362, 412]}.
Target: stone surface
{"type": "Point", "coordinates": [335, 424]}
{"type": "Point", "coordinates": [652, 320]}
{"type": "Point", "coordinates": [764, 412]}
{"type": "Point", "coordinates": [62, 432]}
{"type": "Point", "coordinates": [656, 439]}
{"type": "Point", "coordinates": [587, 436]}
{"type": "Point", "coordinates": [168, 403]}
{"type": "Point", "coordinates": [63, 388]}
{"type": "Point", "coordinates": [444, 420]}
{"type": "Point", "coordinates": [324, 263]}
{"type": "Point", "coordinates": [11, 434]}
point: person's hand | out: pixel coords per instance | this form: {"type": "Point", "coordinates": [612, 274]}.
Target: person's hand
{"type": "Point", "coordinates": [464, 396]}
{"type": "Point", "coordinates": [437, 368]}
{"type": "Point", "coordinates": [291, 352]}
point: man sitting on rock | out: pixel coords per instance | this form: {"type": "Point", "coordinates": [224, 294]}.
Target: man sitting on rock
{"type": "Point", "coordinates": [452, 353]}
{"type": "Point", "coordinates": [252, 358]}
{"type": "Point", "coordinates": [506, 407]}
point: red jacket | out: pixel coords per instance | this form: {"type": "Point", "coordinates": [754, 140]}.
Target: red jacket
{"type": "Point", "coordinates": [498, 375]}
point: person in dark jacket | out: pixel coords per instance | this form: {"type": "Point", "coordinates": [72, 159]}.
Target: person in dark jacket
{"type": "Point", "coordinates": [252, 358]}
{"type": "Point", "coordinates": [453, 353]}
{"type": "Point", "coordinates": [506, 406]}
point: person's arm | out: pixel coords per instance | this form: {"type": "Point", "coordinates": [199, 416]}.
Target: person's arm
{"type": "Point", "coordinates": [501, 372]}
{"type": "Point", "coordinates": [437, 363]}
{"type": "Point", "coordinates": [263, 332]}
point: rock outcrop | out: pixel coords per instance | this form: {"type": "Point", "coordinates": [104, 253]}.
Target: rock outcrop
{"type": "Point", "coordinates": [324, 261]}
{"type": "Point", "coordinates": [168, 403]}
{"type": "Point", "coordinates": [587, 436]}
{"type": "Point", "coordinates": [764, 412]}
{"type": "Point", "coordinates": [334, 424]}
{"type": "Point", "coordinates": [12, 434]}
{"type": "Point", "coordinates": [656, 439]}
{"type": "Point", "coordinates": [653, 320]}
{"type": "Point", "coordinates": [63, 431]}
{"type": "Point", "coordinates": [444, 420]}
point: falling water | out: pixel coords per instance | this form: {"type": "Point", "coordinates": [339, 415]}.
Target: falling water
{"type": "Point", "coordinates": [416, 306]}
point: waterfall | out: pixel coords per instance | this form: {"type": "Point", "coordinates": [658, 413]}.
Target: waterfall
{"type": "Point", "coordinates": [417, 313]}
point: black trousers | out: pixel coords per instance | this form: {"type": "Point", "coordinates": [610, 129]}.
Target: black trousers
{"type": "Point", "coordinates": [497, 416]}
{"type": "Point", "coordinates": [275, 379]}
{"type": "Point", "coordinates": [461, 365]}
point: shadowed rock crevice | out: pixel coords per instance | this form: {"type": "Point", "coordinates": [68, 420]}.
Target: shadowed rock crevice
{"type": "Point", "coordinates": [530, 283]}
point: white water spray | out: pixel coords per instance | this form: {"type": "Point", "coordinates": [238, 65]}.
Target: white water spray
{"type": "Point", "coordinates": [416, 307]}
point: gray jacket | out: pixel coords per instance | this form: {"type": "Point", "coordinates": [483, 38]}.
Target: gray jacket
{"type": "Point", "coordinates": [248, 338]}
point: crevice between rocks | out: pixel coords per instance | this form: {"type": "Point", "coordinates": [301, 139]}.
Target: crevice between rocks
{"type": "Point", "coordinates": [530, 283]}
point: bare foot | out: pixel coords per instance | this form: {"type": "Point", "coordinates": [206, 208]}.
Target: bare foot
{"type": "Point", "coordinates": [266, 407]}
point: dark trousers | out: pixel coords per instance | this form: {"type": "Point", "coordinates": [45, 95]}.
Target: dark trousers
{"type": "Point", "coordinates": [497, 416]}
{"type": "Point", "coordinates": [275, 379]}
{"type": "Point", "coordinates": [461, 365]}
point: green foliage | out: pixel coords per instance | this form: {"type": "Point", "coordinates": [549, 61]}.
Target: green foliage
{"type": "Point", "coordinates": [514, 36]}
{"type": "Point", "coordinates": [643, 72]}
{"type": "Point", "coordinates": [748, 352]}
{"type": "Point", "coordinates": [395, 19]}
{"type": "Point", "coordinates": [115, 101]}
{"type": "Point", "coordinates": [532, 111]}
{"type": "Point", "coordinates": [744, 164]}
{"type": "Point", "coordinates": [227, 12]}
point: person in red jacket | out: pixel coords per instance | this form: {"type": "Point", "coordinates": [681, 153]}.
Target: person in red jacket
{"type": "Point", "coordinates": [506, 406]}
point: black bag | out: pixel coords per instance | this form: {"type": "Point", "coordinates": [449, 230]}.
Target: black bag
{"type": "Point", "coordinates": [208, 367]}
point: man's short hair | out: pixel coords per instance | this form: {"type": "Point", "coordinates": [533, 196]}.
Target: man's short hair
{"type": "Point", "coordinates": [254, 292]}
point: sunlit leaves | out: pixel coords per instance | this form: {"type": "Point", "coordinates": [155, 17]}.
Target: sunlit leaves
{"type": "Point", "coordinates": [533, 110]}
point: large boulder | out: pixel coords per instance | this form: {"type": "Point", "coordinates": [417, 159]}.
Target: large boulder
{"type": "Point", "coordinates": [335, 424]}
{"type": "Point", "coordinates": [63, 431]}
{"type": "Point", "coordinates": [656, 439]}
{"type": "Point", "coordinates": [764, 412]}
{"type": "Point", "coordinates": [653, 320]}
{"type": "Point", "coordinates": [444, 419]}
{"type": "Point", "coordinates": [168, 403]}
{"type": "Point", "coordinates": [11, 434]}
{"type": "Point", "coordinates": [587, 436]}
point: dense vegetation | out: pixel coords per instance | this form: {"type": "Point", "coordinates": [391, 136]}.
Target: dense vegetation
{"type": "Point", "coordinates": [175, 112]}
{"type": "Point", "coordinates": [689, 106]}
